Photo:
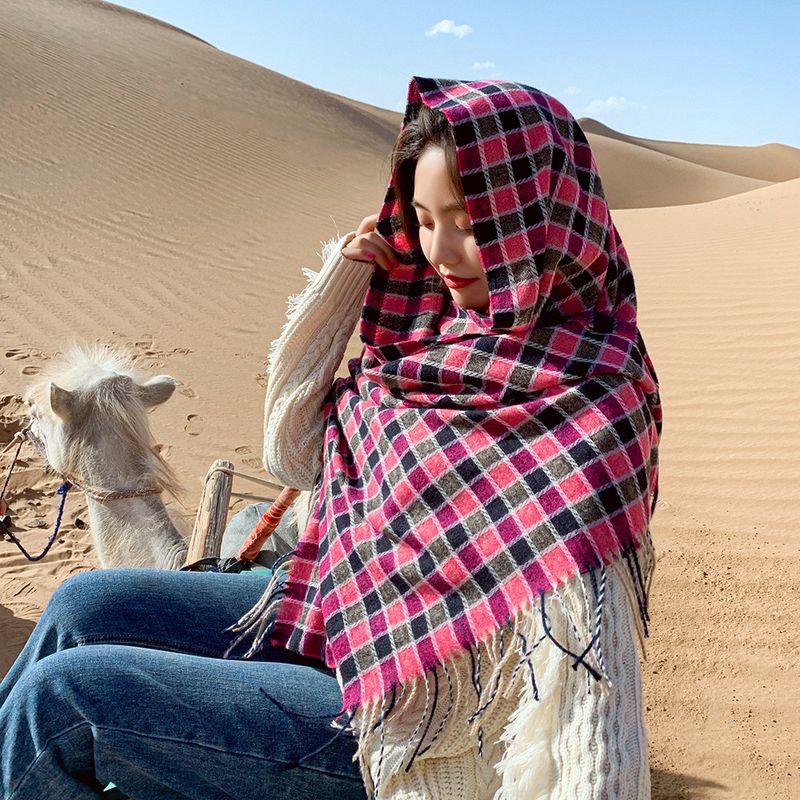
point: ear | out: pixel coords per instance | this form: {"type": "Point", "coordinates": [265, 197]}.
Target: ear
{"type": "Point", "coordinates": [62, 401]}
{"type": "Point", "coordinates": [157, 390]}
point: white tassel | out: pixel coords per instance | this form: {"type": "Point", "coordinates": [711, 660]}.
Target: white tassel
{"type": "Point", "coordinates": [258, 616]}
{"type": "Point", "coordinates": [295, 301]}
{"type": "Point", "coordinates": [526, 666]}
{"type": "Point", "coordinates": [526, 766]}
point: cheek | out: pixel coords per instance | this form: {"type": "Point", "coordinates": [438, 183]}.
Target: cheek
{"type": "Point", "coordinates": [425, 246]}
{"type": "Point", "coordinates": [475, 258]}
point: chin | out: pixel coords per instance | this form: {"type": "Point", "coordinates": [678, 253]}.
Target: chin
{"type": "Point", "coordinates": [483, 311]}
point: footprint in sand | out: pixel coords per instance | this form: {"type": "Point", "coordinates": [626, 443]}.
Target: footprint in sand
{"type": "Point", "coordinates": [147, 348]}
{"type": "Point", "coordinates": [12, 411]}
{"type": "Point", "coordinates": [31, 370]}
{"type": "Point", "coordinates": [18, 355]}
{"type": "Point", "coordinates": [7, 403]}
{"type": "Point", "coordinates": [194, 425]}
{"type": "Point", "coordinates": [145, 344]}
{"type": "Point", "coordinates": [187, 391]}
{"type": "Point", "coordinates": [252, 461]}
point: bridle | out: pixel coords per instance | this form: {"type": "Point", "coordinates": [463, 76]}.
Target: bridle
{"type": "Point", "coordinates": [97, 493]}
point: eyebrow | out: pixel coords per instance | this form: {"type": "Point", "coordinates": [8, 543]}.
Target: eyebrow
{"type": "Point", "coordinates": [448, 207]}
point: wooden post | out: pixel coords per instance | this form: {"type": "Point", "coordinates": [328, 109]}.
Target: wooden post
{"type": "Point", "coordinates": [212, 514]}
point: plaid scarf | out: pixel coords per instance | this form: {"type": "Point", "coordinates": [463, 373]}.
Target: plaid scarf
{"type": "Point", "coordinates": [472, 463]}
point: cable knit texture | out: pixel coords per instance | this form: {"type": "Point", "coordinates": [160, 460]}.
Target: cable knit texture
{"type": "Point", "coordinates": [303, 360]}
{"type": "Point", "coordinates": [577, 739]}
{"type": "Point", "coordinates": [600, 749]}
{"type": "Point", "coordinates": [580, 740]}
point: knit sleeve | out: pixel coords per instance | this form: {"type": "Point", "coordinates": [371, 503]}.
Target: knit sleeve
{"type": "Point", "coordinates": [303, 360]}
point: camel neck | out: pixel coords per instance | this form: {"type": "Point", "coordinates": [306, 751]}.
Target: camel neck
{"type": "Point", "coordinates": [136, 532]}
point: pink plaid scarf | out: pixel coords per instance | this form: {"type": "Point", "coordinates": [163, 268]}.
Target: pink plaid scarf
{"type": "Point", "coordinates": [472, 463]}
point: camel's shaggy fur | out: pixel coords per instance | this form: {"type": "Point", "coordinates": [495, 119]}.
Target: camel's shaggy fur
{"type": "Point", "coordinates": [90, 410]}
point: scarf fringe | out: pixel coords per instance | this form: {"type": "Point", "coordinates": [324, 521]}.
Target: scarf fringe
{"type": "Point", "coordinates": [510, 661]}
{"type": "Point", "coordinates": [258, 620]}
{"type": "Point", "coordinates": [296, 301]}
{"type": "Point", "coordinates": [500, 663]}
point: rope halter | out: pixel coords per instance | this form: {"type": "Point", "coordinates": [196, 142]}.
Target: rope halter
{"type": "Point", "coordinates": [95, 492]}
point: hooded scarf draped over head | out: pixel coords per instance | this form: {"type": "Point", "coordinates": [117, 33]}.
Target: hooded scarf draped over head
{"type": "Point", "coordinates": [473, 462]}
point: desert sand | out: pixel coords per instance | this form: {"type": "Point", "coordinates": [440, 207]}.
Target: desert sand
{"type": "Point", "coordinates": [161, 195]}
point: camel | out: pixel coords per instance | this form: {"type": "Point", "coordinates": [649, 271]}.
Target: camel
{"type": "Point", "coordinates": [89, 412]}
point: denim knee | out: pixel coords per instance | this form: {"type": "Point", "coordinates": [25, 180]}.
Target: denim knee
{"type": "Point", "coordinates": [77, 596]}
{"type": "Point", "coordinates": [68, 594]}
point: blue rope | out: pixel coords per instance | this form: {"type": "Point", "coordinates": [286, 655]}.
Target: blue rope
{"type": "Point", "coordinates": [62, 490]}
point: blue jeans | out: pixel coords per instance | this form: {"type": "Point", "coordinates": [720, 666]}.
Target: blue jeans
{"type": "Point", "coordinates": [123, 681]}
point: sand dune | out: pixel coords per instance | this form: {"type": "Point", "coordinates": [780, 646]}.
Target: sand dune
{"type": "Point", "coordinates": [161, 195]}
{"type": "Point", "coordinates": [718, 292]}
{"type": "Point", "coordinates": [766, 162]}
{"type": "Point", "coordinates": [636, 177]}
{"type": "Point", "coordinates": [644, 173]}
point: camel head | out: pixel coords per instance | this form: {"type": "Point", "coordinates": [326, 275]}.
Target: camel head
{"type": "Point", "coordinates": [89, 410]}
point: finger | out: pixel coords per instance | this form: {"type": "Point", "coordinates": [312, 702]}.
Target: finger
{"type": "Point", "coordinates": [381, 253]}
{"type": "Point", "coordinates": [367, 224]}
{"type": "Point", "coordinates": [370, 247]}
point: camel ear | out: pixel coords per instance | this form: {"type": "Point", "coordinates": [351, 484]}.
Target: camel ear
{"type": "Point", "coordinates": [62, 401]}
{"type": "Point", "coordinates": [157, 390]}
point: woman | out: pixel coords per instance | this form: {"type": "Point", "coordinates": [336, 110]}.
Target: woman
{"type": "Point", "coordinates": [475, 565]}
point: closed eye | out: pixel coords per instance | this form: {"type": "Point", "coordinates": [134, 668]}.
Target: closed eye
{"type": "Point", "coordinates": [429, 225]}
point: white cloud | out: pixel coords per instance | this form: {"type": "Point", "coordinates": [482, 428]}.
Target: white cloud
{"type": "Point", "coordinates": [572, 90]}
{"type": "Point", "coordinates": [449, 26]}
{"type": "Point", "coordinates": [610, 103]}
{"type": "Point", "coordinates": [483, 65]}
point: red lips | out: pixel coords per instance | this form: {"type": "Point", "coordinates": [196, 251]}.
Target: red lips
{"type": "Point", "coordinates": [457, 283]}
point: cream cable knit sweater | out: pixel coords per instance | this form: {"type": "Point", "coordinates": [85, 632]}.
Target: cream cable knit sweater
{"type": "Point", "coordinates": [581, 740]}
{"type": "Point", "coordinates": [303, 361]}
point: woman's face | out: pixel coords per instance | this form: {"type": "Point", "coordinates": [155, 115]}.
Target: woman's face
{"type": "Point", "coordinates": [445, 232]}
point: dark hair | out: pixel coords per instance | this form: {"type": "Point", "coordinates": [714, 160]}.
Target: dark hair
{"type": "Point", "coordinates": [428, 127]}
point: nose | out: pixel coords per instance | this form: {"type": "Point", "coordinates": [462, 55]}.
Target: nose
{"type": "Point", "coordinates": [444, 248]}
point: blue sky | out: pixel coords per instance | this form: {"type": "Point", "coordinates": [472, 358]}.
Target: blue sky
{"type": "Point", "coordinates": [715, 72]}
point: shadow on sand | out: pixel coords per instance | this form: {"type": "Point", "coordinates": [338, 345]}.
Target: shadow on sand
{"type": "Point", "coordinates": [14, 632]}
{"type": "Point", "coordinates": [668, 785]}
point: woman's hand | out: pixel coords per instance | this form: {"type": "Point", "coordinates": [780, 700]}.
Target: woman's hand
{"type": "Point", "coordinates": [366, 245]}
